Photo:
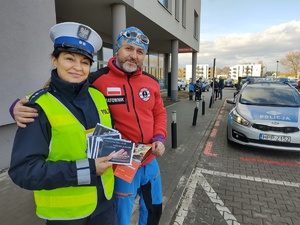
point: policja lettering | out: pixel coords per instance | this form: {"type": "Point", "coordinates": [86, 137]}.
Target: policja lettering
{"type": "Point", "coordinates": [104, 111]}
{"type": "Point", "coordinates": [270, 117]}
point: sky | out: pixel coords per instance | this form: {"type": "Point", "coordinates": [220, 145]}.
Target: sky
{"type": "Point", "coordinates": [247, 31]}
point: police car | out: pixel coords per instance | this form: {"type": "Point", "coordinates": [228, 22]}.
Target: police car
{"type": "Point", "coordinates": [266, 115]}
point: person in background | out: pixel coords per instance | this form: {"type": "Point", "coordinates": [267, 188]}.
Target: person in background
{"type": "Point", "coordinates": [197, 91]}
{"type": "Point", "coordinates": [215, 85]}
{"type": "Point", "coordinates": [221, 87]}
{"type": "Point", "coordinates": [134, 99]}
{"type": "Point", "coordinates": [191, 89]}
{"type": "Point", "coordinates": [49, 154]}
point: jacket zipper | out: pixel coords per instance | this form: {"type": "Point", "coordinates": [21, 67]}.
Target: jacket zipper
{"type": "Point", "coordinates": [124, 88]}
{"type": "Point", "coordinates": [133, 104]}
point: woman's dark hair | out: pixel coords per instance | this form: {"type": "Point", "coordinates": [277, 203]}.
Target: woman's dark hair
{"type": "Point", "coordinates": [56, 52]}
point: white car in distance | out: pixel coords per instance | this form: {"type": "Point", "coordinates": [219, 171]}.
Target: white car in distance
{"type": "Point", "coordinates": [181, 84]}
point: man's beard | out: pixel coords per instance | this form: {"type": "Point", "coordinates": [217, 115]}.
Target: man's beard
{"type": "Point", "coordinates": [129, 67]}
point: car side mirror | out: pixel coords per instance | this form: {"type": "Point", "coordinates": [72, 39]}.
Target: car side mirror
{"type": "Point", "coordinates": [230, 101]}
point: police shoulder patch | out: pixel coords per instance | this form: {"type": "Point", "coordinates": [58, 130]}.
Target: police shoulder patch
{"type": "Point", "coordinates": [37, 94]}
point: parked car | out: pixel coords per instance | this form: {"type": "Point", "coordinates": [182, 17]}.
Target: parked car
{"type": "Point", "coordinates": [181, 84]}
{"type": "Point", "coordinates": [205, 86]}
{"type": "Point", "coordinates": [239, 86]}
{"type": "Point", "coordinates": [229, 83]}
{"type": "Point", "coordinates": [266, 115]}
{"type": "Point", "coordinates": [293, 82]}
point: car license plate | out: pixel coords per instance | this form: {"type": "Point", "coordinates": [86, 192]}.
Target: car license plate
{"type": "Point", "coordinates": [279, 138]}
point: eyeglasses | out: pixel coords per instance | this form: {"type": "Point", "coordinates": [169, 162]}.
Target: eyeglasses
{"type": "Point", "coordinates": [133, 34]}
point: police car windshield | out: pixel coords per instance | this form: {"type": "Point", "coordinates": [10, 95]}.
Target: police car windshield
{"type": "Point", "coordinates": [282, 96]}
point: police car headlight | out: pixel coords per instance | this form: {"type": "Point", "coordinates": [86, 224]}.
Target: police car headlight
{"type": "Point", "coordinates": [237, 118]}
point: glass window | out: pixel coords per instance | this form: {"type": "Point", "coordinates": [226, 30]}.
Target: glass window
{"type": "Point", "coordinates": [196, 25]}
{"type": "Point", "coordinates": [154, 64]}
{"type": "Point", "coordinates": [167, 4]}
{"type": "Point", "coordinates": [164, 3]}
{"type": "Point", "coordinates": [101, 59]}
{"type": "Point", "coordinates": [282, 96]}
{"type": "Point", "coordinates": [177, 10]}
{"type": "Point", "coordinates": [153, 60]}
{"type": "Point", "coordinates": [107, 54]}
{"type": "Point", "coordinates": [183, 13]}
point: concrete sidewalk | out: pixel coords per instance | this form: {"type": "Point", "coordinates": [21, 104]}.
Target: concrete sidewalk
{"type": "Point", "coordinates": [17, 205]}
{"type": "Point", "coordinates": [177, 164]}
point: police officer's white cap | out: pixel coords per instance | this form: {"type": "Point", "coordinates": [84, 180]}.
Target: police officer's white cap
{"type": "Point", "coordinates": [76, 37]}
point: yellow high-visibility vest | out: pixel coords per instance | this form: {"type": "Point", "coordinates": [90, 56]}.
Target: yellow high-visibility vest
{"type": "Point", "coordinates": [68, 142]}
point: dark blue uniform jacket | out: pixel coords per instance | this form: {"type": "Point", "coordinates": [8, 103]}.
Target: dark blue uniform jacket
{"type": "Point", "coordinates": [28, 167]}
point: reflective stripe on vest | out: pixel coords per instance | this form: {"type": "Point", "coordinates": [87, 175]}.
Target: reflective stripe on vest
{"type": "Point", "coordinates": [68, 142]}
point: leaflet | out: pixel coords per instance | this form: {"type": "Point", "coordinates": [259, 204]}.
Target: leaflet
{"type": "Point", "coordinates": [101, 129]}
{"type": "Point", "coordinates": [139, 151]}
{"type": "Point", "coordinates": [103, 141]}
{"type": "Point", "coordinates": [121, 150]}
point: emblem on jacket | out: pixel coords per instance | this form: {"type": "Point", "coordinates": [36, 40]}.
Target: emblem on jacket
{"type": "Point", "coordinates": [144, 94]}
{"type": "Point", "coordinates": [113, 91]}
{"type": "Point", "coordinates": [114, 96]}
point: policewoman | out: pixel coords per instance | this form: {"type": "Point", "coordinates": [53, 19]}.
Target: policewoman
{"type": "Point", "coordinates": [49, 155]}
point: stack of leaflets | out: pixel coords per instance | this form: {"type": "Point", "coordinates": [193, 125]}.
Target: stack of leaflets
{"type": "Point", "coordinates": [127, 173]}
{"type": "Point", "coordinates": [105, 141]}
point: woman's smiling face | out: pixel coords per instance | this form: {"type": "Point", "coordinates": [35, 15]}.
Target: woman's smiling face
{"type": "Point", "coordinates": [72, 67]}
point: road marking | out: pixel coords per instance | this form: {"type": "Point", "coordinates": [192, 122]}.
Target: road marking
{"type": "Point", "coordinates": [270, 161]}
{"type": "Point", "coordinates": [213, 132]}
{"type": "Point", "coordinates": [245, 177]}
{"type": "Point", "coordinates": [217, 123]}
{"type": "Point", "coordinates": [198, 178]}
{"type": "Point", "coordinates": [207, 149]}
{"type": "Point", "coordinates": [187, 199]}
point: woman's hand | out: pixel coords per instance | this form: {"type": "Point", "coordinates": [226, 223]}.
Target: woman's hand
{"type": "Point", "coordinates": [121, 154]}
{"type": "Point", "coordinates": [102, 164]}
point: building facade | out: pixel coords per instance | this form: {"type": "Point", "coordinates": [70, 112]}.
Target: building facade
{"type": "Point", "coordinates": [245, 70]}
{"type": "Point", "coordinates": [202, 70]}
